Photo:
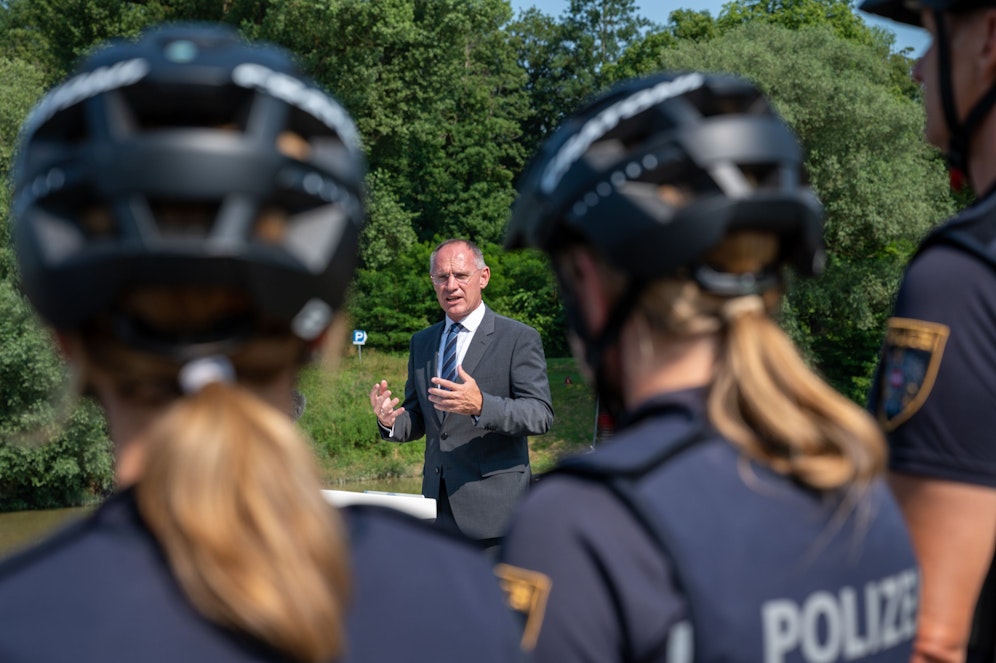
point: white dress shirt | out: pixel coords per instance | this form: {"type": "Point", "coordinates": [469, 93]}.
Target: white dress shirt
{"type": "Point", "coordinates": [470, 323]}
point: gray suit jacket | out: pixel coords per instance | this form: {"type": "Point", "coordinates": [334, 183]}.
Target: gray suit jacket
{"type": "Point", "coordinates": [485, 464]}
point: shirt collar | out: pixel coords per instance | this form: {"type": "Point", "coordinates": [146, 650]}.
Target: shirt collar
{"type": "Point", "coordinates": [471, 322]}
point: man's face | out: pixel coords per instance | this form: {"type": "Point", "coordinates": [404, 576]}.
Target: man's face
{"type": "Point", "coordinates": [453, 264]}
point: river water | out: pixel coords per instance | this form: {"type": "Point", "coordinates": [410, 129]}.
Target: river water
{"type": "Point", "coordinates": [21, 528]}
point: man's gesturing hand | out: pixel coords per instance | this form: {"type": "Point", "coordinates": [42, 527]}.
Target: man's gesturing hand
{"type": "Point", "coordinates": [457, 397]}
{"type": "Point", "coordinates": [384, 407]}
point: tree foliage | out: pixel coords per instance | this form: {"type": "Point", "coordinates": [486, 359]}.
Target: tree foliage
{"type": "Point", "coordinates": [569, 59]}
{"type": "Point", "coordinates": [837, 15]}
{"type": "Point", "coordinates": [437, 94]}
{"type": "Point", "coordinates": [58, 32]}
{"type": "Point", "coordinates": [51, 454]}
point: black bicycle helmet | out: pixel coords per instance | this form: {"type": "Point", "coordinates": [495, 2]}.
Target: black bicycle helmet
{"type": "Point", "coordinates": [728, 163]}
{"type": "Point", "coordinates": [188, 117]}
{"type": "Point", "coordinates": [908, 11]}
{"type": "Point", "coordinates": [712, 137]}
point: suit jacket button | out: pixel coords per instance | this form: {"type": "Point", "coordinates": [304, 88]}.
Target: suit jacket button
{"type": "Point", "coordinates": [436, 470]}
{"type": "Point", "coordinates": [444, 435]}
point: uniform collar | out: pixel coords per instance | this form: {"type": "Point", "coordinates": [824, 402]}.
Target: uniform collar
{"type": "Point", "coordinates": [687, 403]}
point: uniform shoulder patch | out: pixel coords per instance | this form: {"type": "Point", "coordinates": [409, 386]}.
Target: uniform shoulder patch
{"type": "Point", "coordinates": [911, 357]}
{"type": "Point", "coordinates": [526, 592]}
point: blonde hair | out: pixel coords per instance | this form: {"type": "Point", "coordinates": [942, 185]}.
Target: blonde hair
{"type": "Point", "coordinates": [763, 397]}
{"type": "Point", "coordinates": [229, 486]}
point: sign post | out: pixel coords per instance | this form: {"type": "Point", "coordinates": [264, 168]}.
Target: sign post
{"type": "Point", "coordinates": [359, 338]}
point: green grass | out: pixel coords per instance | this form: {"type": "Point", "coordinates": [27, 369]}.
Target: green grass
{"type": "Point", "coordinates": [344, 431]}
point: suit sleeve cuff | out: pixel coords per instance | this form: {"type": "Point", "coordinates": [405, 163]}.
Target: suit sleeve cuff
{"type": "Point", "coordinates": [485, 418]}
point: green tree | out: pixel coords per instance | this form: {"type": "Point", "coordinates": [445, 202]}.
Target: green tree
{"type": "Point", "coordinates": [389, 231]}
{"type": "Point", "coordinates": [51, 453]}
{"type": "Point", "coordinates": [838, 15]}
{"type": "Point", "coordinates": [437, 95]}
{"type": "Point", "coordinates": [450, 97]}
{"type": "Point", "coordinates": [58, 32]}
{"type": "Point", "coordinates": [523, 287]}
{"type": "Point", "coordinates": [535, 36]}
{"type": "Point", "coordinates": [567, 59]}
{"type": "Point", "coordinates": [602, 29]}
{"type": "Point", "coordinates": [20, 85]}
{"type": "Point", "coordinates": [396, 299]}
{"type": "Point", "coordinates": [687, 24]}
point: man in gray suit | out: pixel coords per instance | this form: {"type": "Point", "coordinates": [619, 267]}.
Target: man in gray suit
{"type": "Point", "coordinates": [476, 423]}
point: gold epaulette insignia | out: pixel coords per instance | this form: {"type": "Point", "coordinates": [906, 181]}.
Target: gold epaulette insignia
{"type": "Point", "coordinates": [526, 593]}
{"type": "Point", "coordinates": [911, 357]}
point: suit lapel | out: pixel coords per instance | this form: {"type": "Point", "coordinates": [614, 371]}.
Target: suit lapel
{"type": "Point", "coordinates": [479, 344]}
{"type": "Point", "coordinates": [432, 369]}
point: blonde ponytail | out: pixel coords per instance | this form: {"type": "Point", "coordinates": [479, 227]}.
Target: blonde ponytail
{"type": "Point", "coordinates": [763, 396]}
{"type": "Point", "coordinates": [766, 400]}
{"type": "Point", "coordinates": [231, 492]}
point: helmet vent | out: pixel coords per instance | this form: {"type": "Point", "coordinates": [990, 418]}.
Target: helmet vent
{"type": "Point", "coordinates": [187, 106]}
{"type": "Point", "coordinates": [762, 176]}
{"type": "Point", "coordinates": [97, 222]}
{"type": "Point", "coordinates": [182, 220]}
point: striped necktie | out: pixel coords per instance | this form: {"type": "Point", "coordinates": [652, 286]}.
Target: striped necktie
{"type": "Point", "coordinates": [449, 369]}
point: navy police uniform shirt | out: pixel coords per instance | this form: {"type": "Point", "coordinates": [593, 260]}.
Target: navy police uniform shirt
{"type": "Point", "coordinates": [935, 389]}
{"type": "Point", "coordinates": [101, 590]}
{"type": "Point", "coordinates": [722, 560]}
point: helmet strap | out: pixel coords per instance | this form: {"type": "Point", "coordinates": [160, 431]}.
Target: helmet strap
{"type": "Point", "coordinates": [956, 154]}
{"type": "Point", "coordinates": [961, 132]}
{"type": "Point", "coordinates": [595, 345]}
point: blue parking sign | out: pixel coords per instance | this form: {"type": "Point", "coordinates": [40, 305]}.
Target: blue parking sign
{"type": "Point", "coordinates": [359, 337]}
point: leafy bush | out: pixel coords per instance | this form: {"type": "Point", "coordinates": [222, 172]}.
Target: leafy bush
{"type": "Point", "coordinates": [51, 454]}
{"type": "Point", "coordinates": [523, 287]}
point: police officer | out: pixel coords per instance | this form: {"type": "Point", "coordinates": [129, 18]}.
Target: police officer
{"type": "Point", "coordinates": [935, 390]}
{"type": "Point", "coordinates": [186, 214]}
{"type": "Point", "coordinates": [738, 514]}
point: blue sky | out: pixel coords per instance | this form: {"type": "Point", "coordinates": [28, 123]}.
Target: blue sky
{"type": "Point", "coordinates": [658, 11]}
